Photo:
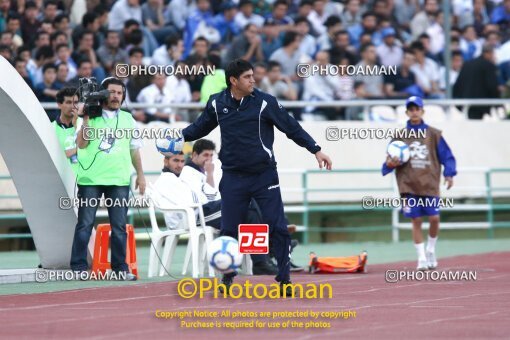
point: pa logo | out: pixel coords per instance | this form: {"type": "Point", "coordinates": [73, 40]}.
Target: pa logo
{"type": "Point", "coordinates": [225, 110]}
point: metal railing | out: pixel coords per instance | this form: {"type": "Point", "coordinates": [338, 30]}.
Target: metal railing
{"type": "Point", "coordinates": [448, 104]}
{"type": "Point", "coordinates": [307, 205]}
{"type": "Point", "coordinates": [489, 207]}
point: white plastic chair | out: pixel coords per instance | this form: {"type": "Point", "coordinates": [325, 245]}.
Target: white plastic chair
{"type": "Point", "coordinates": [210, 234]}
{"type": "Point", "coordinates": [167, 240]}
{"type": "Point", "coordinates": [383, 113]}
{"type": "Point", "coordinates": [247, 266]}
{"type": "Point", "coordinates": [401, 114]}
{"type": "Point", "coordinates": [158, 236]}
{"type": "Point", "coordinates": [455, 115]}
{"type": "Point", "coordinates": [434, 114]}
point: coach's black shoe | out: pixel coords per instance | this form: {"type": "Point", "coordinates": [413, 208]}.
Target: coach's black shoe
{"type": "Point", "coordinates": [293, 244]}
{"type": "Point", "coordinates": [227, 280]}
{"type": "Point", "coordinates": [265, 268]}
{"type": "Point", "coordinates": [286, 289]}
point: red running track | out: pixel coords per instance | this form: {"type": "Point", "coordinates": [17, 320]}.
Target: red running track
{"type": "Point", "coordinates": [406, 309]}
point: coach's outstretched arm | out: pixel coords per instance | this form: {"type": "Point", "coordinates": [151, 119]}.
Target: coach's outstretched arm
{"type": "Point", "coordinates": [288, 125]}
{"type": "Point", "coordinates": [205, 123]}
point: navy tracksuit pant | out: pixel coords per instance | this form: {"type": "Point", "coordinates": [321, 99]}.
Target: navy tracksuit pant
{"type": "Point", "coordinates": [237, 189]}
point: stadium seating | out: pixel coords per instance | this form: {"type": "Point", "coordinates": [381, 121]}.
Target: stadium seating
{"type": "Point", "coordinates": [434, 114]}
{"type": "Point", "coordinates": [208, 233]}
{"type": "Point", "coordinates": [454, 114]}
{"type": "Point", "coordinates": [383, 113]}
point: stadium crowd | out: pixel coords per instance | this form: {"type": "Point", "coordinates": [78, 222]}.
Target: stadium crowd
{"type": "Point", "coordinates": [53, 43]}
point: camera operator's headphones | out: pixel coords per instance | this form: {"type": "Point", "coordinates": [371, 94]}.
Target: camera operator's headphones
{"type": "Point", "coordinates": [112, 80]}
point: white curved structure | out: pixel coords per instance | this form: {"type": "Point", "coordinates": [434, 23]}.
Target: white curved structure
{"type": "Point", "coordinates": [39, 168]}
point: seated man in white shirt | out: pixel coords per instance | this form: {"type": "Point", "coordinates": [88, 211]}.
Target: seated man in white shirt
{"type": "Point", "coordinates": [199, 170]}
{"type": "Point", "coordinates": [156, 93]}
{"type": "Point", "coordinates": [175, 191]}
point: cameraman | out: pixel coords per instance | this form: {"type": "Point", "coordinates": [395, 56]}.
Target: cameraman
{"type": "Point", "coordinates": [105, 168]}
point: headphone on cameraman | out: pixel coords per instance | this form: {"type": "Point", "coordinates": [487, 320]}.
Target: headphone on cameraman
{"type": "Point", "coordinates": [112, 80]}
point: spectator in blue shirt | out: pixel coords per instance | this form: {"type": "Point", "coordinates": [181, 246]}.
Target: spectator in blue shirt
{"type": "Point", "coordinates": [368, 25]}
{"type": "Point", "coordinates": [501, 13]}
{"type": "Point", "coordinates": [225, 23]}
{"type": "Point", "coordinates": [202, 13]}
{"type": "Point", "coordinates": [279, 15]}
{"type": "Point", "coordinates": [271, 38]}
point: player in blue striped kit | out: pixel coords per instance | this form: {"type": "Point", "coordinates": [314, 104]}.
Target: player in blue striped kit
{"type": "Point", "coordinates": [246, 117]}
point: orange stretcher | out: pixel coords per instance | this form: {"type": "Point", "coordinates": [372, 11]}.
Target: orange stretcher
{"type": "Point", "coordinates": [348, 264]}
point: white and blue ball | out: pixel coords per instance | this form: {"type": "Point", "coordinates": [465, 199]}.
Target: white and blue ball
{"type": "Point", "coordinates": [169, 146]}
{"type": "Point", "coordinates": [223, 254]}
{"type": "Point", "coordinates": [400, 150]}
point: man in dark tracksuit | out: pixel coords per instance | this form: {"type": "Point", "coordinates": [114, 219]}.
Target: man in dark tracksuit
{"type": "Point", "coordinates": [246, 117]}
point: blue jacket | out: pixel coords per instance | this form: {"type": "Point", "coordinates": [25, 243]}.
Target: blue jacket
{"type": "Point", "coordinates": [357, 30]}
{"type": "Point", "coordinates": [191, 27]}
{"type": "Point", "coordinates": [247, 132]}
{"type": "Point", "coordinates": [227, 29]}
{"type": "Point", "coordinates": [499, 14]}
{"type": "Point", "coordinates": [444, 154]}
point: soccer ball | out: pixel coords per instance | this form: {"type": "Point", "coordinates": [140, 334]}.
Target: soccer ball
{"type": "Point", "coordinates": [400, 150]}
{"type": "Point", "coordinates": [223, 254]}
{"type": "Point", "coordinates": [170, 146]}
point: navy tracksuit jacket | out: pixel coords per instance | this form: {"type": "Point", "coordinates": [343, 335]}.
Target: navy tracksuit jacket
{"type": "Point", "coordinates": [248, 162]}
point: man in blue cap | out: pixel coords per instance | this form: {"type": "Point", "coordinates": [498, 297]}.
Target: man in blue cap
{"type": "Point", "coordinates": [419, 179]}
{"type": "Point", "coordinates": [390, 51]}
